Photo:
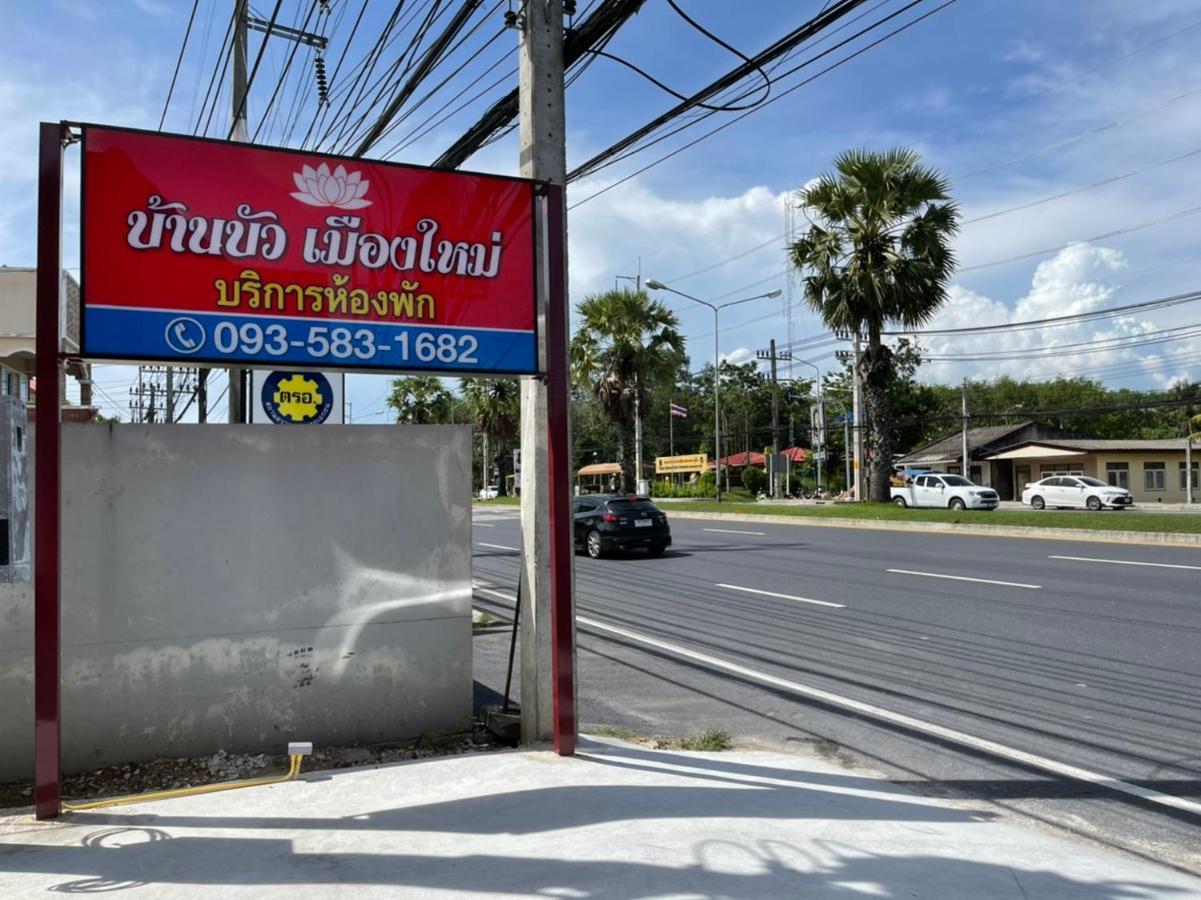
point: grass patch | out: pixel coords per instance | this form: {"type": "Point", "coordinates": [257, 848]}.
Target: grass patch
{"type": "Point", "coordinates": [1082, 520]}
{"type": "Point", "coordinates": [482, 619]}
{"type": "Point", "coordinates": [498, 501]}
{"type": "Point", "coordinates": [711, 741]}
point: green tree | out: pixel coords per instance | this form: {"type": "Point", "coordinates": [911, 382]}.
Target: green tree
{"type": "Point", "coordinates": [878, 252]}
{"type": "Point", "coordinates": [626, 343]}
{"type": "Point", "coordinates": [420, 400]}
{"type": "Point", "coordinates": [495, 406]}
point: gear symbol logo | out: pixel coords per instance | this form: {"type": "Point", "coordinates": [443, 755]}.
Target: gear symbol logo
{"type": "Point", "coordinates": [296, 398]}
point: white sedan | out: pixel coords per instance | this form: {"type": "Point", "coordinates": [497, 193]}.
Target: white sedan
{"type": "Point", "coordinates": [1079, 491]}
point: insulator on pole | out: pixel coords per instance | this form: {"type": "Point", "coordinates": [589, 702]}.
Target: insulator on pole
{"type": "Point", "coordinates": [322, 84]}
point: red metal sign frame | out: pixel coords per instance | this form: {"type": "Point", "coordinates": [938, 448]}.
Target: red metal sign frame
{"type": "Point", "coordinates": [47, 662]}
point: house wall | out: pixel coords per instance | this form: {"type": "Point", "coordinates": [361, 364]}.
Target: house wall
{"type": "Point", "coordinates": [234, 587]}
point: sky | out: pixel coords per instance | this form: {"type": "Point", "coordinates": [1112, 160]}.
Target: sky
{"type": "Point", "coordinates": [1089, 105]}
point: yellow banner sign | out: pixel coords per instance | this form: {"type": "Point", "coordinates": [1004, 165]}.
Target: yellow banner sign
{"type": "Point", "coordinates": [694, 462]}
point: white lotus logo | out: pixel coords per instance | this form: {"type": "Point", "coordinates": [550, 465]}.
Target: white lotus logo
{"type": "Point", "coordinates": [321, 187]}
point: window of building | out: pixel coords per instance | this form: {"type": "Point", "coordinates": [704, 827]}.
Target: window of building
{"type": "Point", "coordinates": [1155, 476]}
{"type": "Point", "coordinates": [1118, 474]}
{"type": "Point", "coordinates": [1196, 476]}
{"type": "Point", "coordinates": [1059, 469]}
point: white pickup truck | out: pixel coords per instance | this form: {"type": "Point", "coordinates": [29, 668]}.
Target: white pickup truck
{"type": "Point", "coordinates": [945, 492]}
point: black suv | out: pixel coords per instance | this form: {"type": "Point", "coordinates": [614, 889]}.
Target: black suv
{"type": "Point", "coordinates": [605, 522]}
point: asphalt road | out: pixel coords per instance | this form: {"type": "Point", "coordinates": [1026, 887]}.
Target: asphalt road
{"type": "Point", "coordinates": [1061, 650]}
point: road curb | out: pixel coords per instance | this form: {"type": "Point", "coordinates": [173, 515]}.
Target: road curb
{"type": "Point", "coordinates": [1155, 538]}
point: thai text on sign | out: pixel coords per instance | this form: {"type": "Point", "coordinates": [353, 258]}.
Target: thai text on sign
{"type": "Point", "coordinates": [668, 465]}
{"type": "Point", "coordinates": [218, 252]}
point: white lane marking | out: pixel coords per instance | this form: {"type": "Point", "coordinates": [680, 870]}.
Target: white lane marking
{"type": "Point", "coordinates": [938, 731]}
{"type": "Point", "coordinates": [732, 531]}
{"type": "Point", "coordinates": [1126, 562]}
{"type": "Point", "coordinates": [492, 593]}
{"type": "Point", "coordinates": [878, 712]}
{"type": "Point", "coordinates": [498, 546]}
{"type": "Point", "coordinates": [734, 587]}
{"type": "Point", "coordinates": [483, 525]}
{"type": "Point", "coordinates": [1033, 587]}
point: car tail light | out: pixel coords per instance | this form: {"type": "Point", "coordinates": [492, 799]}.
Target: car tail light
{"type": "Point", "coordinates": [1027, 487]}
{"type": "Point", "coordinates": [608, 517]}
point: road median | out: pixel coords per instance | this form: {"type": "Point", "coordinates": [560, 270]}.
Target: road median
{"type": "Point", "coordinates": [1185, 534]}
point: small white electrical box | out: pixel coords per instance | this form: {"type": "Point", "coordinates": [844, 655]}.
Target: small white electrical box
{"type": "Point", "coordinates": [300, 748]}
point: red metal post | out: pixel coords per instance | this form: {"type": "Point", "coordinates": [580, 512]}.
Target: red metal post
{"type": "Point", "coordinates": [47, 650]}
{"type": "Point", "coordinates": [562, 616]}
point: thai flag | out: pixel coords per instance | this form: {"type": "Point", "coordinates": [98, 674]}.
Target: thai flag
{"type": "Point", "coordinates": [679, 412]}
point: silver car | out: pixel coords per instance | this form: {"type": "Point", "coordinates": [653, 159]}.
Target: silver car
{"type": "Point", "coordinates": [1075, 491]}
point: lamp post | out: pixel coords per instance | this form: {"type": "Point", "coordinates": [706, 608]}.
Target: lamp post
{"type": "Point", "coordinates": [821, 418]}
{"type": "Point", "coordinates": [716, 307]}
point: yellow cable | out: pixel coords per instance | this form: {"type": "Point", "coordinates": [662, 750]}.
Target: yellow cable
{"type": "Point", "coordinates": [293, 771]}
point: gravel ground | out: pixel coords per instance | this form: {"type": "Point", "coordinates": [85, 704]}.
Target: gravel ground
{"type": "Point", "coordinates": [166, 774]}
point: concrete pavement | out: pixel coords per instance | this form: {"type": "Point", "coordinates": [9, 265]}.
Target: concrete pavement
{"type": "Point", "coordinates": [616, 821]}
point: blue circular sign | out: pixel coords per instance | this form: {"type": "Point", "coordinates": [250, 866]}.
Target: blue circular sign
{"type": "Point", "coordinates": [297, 398]}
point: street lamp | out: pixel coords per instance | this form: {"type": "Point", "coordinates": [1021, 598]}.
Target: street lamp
{"type": "Point", "coordinates": [716, 307]}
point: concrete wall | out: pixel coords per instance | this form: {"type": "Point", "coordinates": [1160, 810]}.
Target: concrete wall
{"type": "Point", "coordinates": [237, 586]}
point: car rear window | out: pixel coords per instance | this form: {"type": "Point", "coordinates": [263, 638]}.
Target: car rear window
{"type": "Point", "coordinates": [630, 507]}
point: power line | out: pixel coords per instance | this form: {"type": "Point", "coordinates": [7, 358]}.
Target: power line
{"type": "Point", "coordinates": [1076, 138]}
{"type": "Point", "coordinates": [223, 55]}
{"type": "Point", "coordinates": [178, 61]}
{"type": "Point", "coordinates": [598, 163]}
{"type": "Point", "coordinates": [1079, 190]}
{"type": "Point", "coordinates": [779, 96]}
{"type": "Point", "coordinates": [1046, 251]}
{"type": "Point", "coordinates": [807, 30]}
{"type": "Point", "coordinates": [1157, 303]}
{"type": "Point", "coordinates": [282, 78]}
{"type": "Point", "coordinates": [1125, 342]}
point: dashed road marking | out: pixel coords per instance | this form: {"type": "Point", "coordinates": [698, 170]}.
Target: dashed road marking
{"type": "Point", "coordinates": [735, 587]}
{"type": "Point", "coordinates": [1018, 584]}
{"type": "Point", "coordinates": [1126, 562]}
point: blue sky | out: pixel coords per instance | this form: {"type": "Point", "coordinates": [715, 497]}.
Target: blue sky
{"type": "Point", "coordinates": [1068, 93]}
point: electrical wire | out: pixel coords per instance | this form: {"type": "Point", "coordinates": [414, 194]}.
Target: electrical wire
{"type": "Point", "coordinates": [1113, 179]}
{"type": "Point", "coordinates": [774, 99]}
{"type": "Point", "coordinates": [321, 111]}
{"type": "Point", "coordinates": [1108, 312]}
{"type": "Point", "coordinates": [223, 55]}
{"type": "Point", "coordinates": [178, 62]}
{"type": "Point", "coordinates": [1076, 138]}
{"type": "Point", "coordinates": [283, 77]}
{"type": "Point", "coordinates": [1046, 251]}
{"type": "Point", "coordinates": [1125, 342]}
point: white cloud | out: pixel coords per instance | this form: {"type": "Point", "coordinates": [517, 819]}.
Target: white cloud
{"type": "Point", "coordinates": [1079, 279]}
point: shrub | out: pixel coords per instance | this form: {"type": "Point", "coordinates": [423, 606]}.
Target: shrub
{"type": "Point", "coordinates": [753, 479]}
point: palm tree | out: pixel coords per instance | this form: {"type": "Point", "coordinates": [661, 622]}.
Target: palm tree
{"type": "Point", "coordinates": [877, 252]}
{"type": "Point", "coordinates": [420, 400]}
{"type": "Point", "coordinates": [494, 404]}
{"type": "Point", "coordinates": [625, 343]}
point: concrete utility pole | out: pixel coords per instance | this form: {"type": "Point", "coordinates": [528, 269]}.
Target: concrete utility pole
{"type": "Point", "coordinates": [966, 471]}
{"type": "Point", "coordinates": [773, 357]}
{"type": "Point", "coordinates": [170, 377]}
{"type": "Point", "coordinates": [543, 157]}
{"type": "Point", "coordinates": [240, 133]}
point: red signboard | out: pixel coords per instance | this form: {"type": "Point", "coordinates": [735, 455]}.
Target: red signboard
{"type": "Point", "coordinates": [202, 250]}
